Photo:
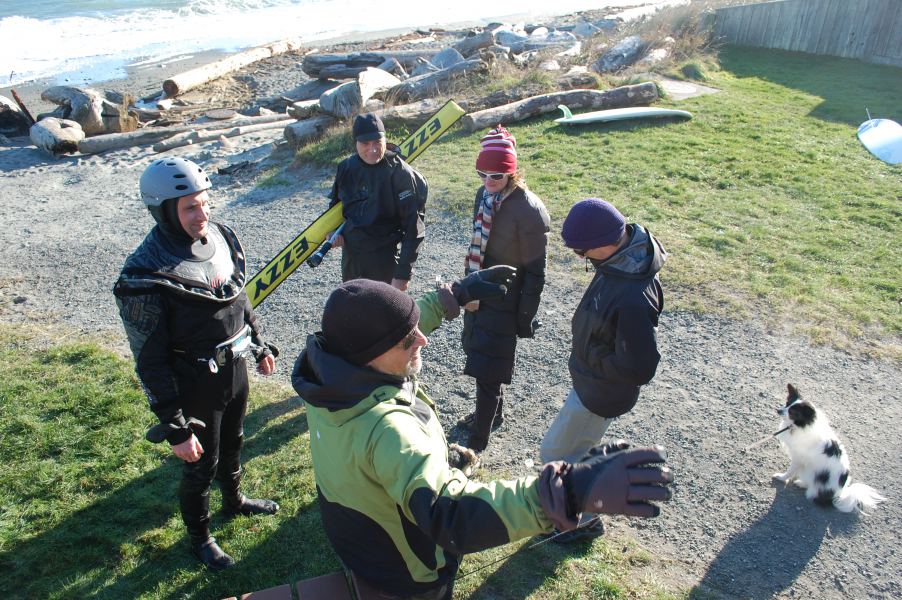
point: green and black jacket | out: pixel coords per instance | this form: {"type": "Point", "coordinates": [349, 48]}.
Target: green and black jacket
{"type": "Point", "coordinates": [395, 512]}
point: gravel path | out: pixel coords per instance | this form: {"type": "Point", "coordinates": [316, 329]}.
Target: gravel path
{"type": "Point", "coordinates": [69, 223]}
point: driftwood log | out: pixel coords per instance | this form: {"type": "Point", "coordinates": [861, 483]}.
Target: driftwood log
{"type": "Point", "coordinates": [12, 120]}
{"type": "Point", "coordinates": [411, 115]}
{"type": "Point", "coordinates": [621, 97]}
{"type": "Point", "coordinates": [301, 132]}
{"type": "Point", "coordinates": [206, 135]}
{"type": "Point", "coordinates": [56, 136]}
{"type": "Point", "coordinates": [472, 44]}
{"type": "Point", "coordinates": [304, 109]}
{"type": "Point", "coordinates": [431, 84]}
{"type": "Point", "coordinates": [179, 84]}
{"type": "Point", "coordinates": [150, 135]}
{"type": "Point", "coordinates": [319, 65]}
{"type": "Point", "coordinates": [90, 109]}
{"type": "Point", "coordinates": [310, 90]}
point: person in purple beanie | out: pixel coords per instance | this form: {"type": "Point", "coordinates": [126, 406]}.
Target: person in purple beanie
{"type": "Point", "coordinates": [614, 350]}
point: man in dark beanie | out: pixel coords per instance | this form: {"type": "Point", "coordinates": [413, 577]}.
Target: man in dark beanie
{"type": "Point", "coordinates": [396, 513]}
{"type": "Point", "coordinates": [614, 349]}
{"type": "Point", "coordinates": [384, 205]}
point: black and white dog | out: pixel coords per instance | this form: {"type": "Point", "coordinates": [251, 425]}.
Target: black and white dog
{"type": "Point", "coordinates": [818, 462]}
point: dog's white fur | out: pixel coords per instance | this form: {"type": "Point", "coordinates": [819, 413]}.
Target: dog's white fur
{"type": "Point", "coordinates": [818, 461]}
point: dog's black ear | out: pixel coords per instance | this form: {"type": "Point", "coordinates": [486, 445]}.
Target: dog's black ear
{"type": "Point", "coordinates": [802, 414]}
{"type": "Point", "coordinates": [792, 394]}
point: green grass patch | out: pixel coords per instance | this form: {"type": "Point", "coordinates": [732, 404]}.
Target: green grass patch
{"type": "Point", "coordinates": [767, 202]}
{"type": "Point", "coordinates": [88, 508]}
{"type": "Point", "coordinates": [272, 178]}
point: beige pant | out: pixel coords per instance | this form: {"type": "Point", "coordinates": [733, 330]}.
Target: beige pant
{"type": "Point", "coordinates": [575, 429]}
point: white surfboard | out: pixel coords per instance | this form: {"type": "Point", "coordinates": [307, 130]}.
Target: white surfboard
{"type": "Point", "coordinates": [883, 139]}
{"type": "Point", "coordinates": [618, 114]}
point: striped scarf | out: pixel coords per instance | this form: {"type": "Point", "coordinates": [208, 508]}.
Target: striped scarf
{"type": "Point", "coordinates": [482, 227]}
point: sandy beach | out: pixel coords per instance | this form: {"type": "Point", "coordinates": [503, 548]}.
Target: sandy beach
{"type": "Point", "coordinates": [69, 222]}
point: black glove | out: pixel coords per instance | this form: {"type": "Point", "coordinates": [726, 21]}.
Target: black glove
{"type": "Point", "coordinates": [619, 482]}
{"type": "Point", "coordinates": [487, 283]}
{"type": "Point", "coordinates": [527, 327]}
{"type": "Point", "coordinates": [162, 431]}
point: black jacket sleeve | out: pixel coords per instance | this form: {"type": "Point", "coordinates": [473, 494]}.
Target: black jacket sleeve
{"type": "Point", "coordinates": [635, 357]}
{"type": "Point", "coordinates": [410, 196]}
{"type": "Point", "coordinates": [144, 318]}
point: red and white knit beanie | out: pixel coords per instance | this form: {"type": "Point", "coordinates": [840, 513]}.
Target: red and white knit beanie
{"type": "Point", "coordinates": [499, 152]}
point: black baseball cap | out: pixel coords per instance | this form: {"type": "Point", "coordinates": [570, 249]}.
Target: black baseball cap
{"type": "Point", "coordinates": [368, 127]}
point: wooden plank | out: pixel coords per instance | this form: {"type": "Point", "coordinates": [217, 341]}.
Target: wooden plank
{"type": "Point", "coordinates": [281, 592]}
{"type": "Point", "coordinates": [333, 586]}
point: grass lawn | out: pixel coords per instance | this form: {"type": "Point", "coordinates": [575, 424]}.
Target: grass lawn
{"type": "Point", "coordinates": [768, 204]}
{"type": "Point", "coordinates": [88, 508]}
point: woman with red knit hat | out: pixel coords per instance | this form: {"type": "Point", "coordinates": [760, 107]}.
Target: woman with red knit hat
{"type": "Point", "coordinates": [510, 227]}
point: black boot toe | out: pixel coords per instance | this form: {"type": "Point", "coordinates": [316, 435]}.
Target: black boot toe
{"type": "Point", "coordinates": [213, 557]}
{"type": "Point", "coordinates": [251, 506]}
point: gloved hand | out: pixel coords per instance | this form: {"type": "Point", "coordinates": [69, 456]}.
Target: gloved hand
{"type": "Point", "coordinates": [487, 283]}
{"type": "Point", "coordinates": [527, 327]}
{"type": "Point", "coordinates": [619, 481]}
{"type": "Point", "coordinates": [161, 431]}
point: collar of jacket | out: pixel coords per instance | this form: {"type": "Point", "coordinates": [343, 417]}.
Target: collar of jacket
{"type": "Point", "coordinates": [345, 390]}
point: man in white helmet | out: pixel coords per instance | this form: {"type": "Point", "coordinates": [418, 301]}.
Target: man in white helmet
{"type": "Point", "coordinates": [190, 326]}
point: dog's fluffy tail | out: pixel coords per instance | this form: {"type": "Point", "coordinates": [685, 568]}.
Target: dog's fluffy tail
{"type": "Point", "coordinates": [857, 495]}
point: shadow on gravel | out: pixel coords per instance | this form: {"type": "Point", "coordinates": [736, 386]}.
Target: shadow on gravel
{"type": "Point", "coordinates": [768, 557]}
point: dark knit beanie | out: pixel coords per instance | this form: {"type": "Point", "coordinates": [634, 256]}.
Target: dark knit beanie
{"type": "Point", "coordinates": [592, 223]}
{"type": "Point", "coordinates": [363, 319]}
{"type": "Point", "coordinates": [368, 127]}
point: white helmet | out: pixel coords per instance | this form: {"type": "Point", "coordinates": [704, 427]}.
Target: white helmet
{"type": "Point", "coordinates": [171, 178]}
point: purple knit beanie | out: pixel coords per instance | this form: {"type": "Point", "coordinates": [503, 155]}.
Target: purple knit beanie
{"type": "Point", "coordinates": [592, 223]}
{"type": "Point", "coordinates": [363, 319]}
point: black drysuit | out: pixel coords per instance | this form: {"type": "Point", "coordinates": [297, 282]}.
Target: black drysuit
{"type": "Point", "coordinates": [174, 318]}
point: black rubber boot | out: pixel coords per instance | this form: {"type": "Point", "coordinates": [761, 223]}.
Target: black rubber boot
{"type": "Point", "coordinates": [235, 503]}
{"type": "Point", "coordinates": [194, 501]}
{"type": "Point", "coordinates": [207, 551]}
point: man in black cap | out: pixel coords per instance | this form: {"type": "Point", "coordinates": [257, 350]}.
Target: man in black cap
{"type": "Point", "coordinates": [384, 205]}
{"type": "Point", "coordinates": [396, 513]}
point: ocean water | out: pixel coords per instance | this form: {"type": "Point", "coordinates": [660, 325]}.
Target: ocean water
{"type": "Point", "coordinates": [84, 41]}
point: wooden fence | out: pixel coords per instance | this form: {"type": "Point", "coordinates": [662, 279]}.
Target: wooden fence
{"type": "Point", "coordinates": [870, 30]}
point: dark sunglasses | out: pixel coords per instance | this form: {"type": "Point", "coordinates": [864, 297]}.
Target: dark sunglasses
{"type": "Point", "coordinates": [580, 251]}
{"type": "Point", "coordinates": [492, 176]}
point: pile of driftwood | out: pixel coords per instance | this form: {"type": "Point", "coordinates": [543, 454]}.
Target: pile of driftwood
{"type": "Point", "coordinates": [404, 86]}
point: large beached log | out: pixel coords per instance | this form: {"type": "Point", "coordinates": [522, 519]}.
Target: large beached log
{"type": "Point", "coordinates": [150, 135]}
{"type": "Point", "coordinates": [472, 44]}
{"type": "Point", "coordinates": [304, 109]}
{"type": "Point", "coordinates": [342, 101]}
{"type": "Point", "coordinates": [310, 90]}
{"type": "Point", "coordinates": [622, 97]}
{"type": "Point", "coordinates": [319, 65]}
{"type": "Point", "coordinates": [431, 84]}
{"type": "Point", "coordinates": [206, 135]}
{"type": "Point", "coordinates": [413, 114]}
{"type": "Point", "coordinates": [90, 109]}
{"type": "Point", "coordinates": [181, 83]}
{"type": "Point", "coordinates": [373, 82]}
{"type": "Point", "coordinates": [56, 136]}
{"type": "Point", "coordinates": [301, 132]}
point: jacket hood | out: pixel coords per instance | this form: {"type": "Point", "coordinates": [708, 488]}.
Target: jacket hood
{"type": "Point", "coordinates": [641, 258]}
{"type": "Point", "coordinates": [328, 381]}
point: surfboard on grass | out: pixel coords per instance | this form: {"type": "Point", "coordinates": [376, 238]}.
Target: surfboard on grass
{"type": "Point", "coordinates": [883, 139]}
{"type": "Point", "coordinates": [618, 114]}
